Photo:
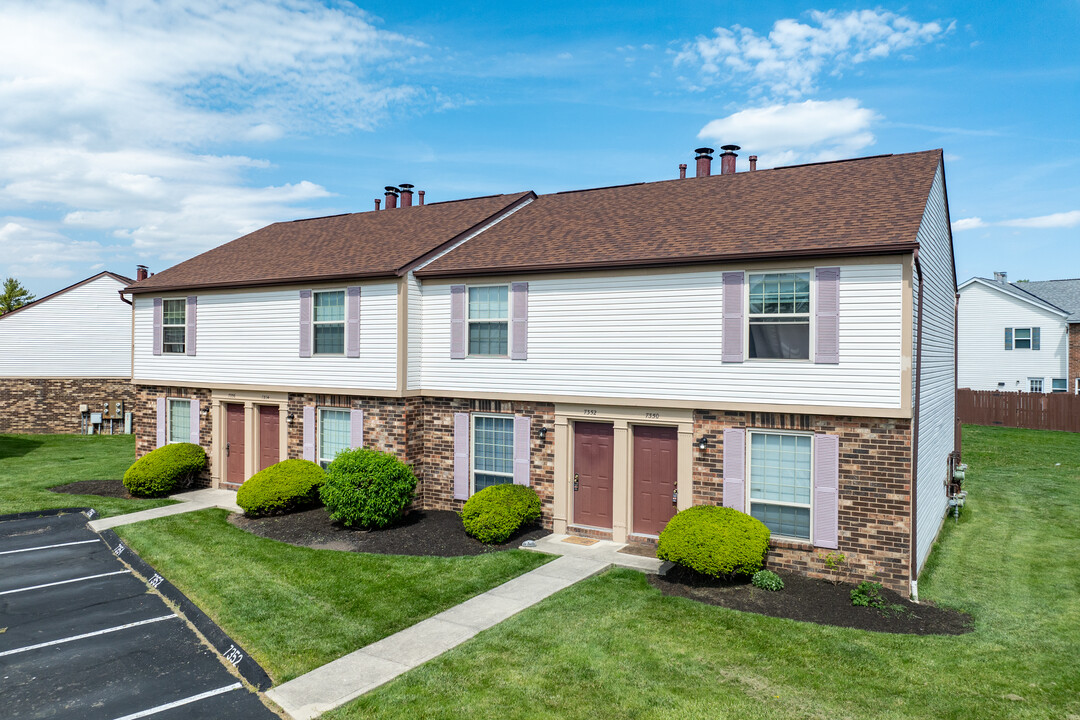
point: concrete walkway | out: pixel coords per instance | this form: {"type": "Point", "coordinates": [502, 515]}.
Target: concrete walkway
{"type": "Point", "coordinates": [189, 502]}
{"type": "Point", "coordinates": [604, 551]}
{"type": "Point", "coordinates": [358, 672]}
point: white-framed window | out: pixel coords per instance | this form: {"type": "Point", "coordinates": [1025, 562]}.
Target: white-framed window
{"type": "Point", "coordinates": [179, 420]}
{"type": "Point", "coordinates": [328, 322]}
{"type": "Point", "coordinates": [173, 325]}
{"type": "Point", "coordinates": [778, 316]}
{"type": "Point", "coordinates": [489, 320]}
{"type": "Point", "coordinates": [1022, 338]}
{"type": "Point", "coordinates": [781, 482]}
{"type": "Point", "coordinates": [1059, 385]}
{"type": "Point", "coordinates": [492, 450]}
{"type": "Point", "coordinates": [335, 433]}
{"type": "Point", "coordinates": [1035, 384]}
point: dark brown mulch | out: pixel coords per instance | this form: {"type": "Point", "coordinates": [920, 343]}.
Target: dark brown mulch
{"type": "Point", "coordinates": [420, 532]}
{"type": "Point", "coordinates": [816, 601]}
{"type": "Point", "coordinates": [107, 488]}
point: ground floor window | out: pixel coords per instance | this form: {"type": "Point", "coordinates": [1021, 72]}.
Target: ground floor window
{"type": "Point", "coordinates": [1059, 385]}
{"type": "Point", "coordinates": [493, 450]}
{"type": "Point", "coordinates": [335, 433]}
{"type": "Point", "coordinates": [780, 482]}
{"type": "Point", "coordinates": [179, 421]}
{"type": "Point", "coordinates": [1036, 384]}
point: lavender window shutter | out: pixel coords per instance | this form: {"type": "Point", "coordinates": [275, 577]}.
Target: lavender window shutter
{"type": "Point", "coordinates": [352, 321]}
{"type": "Point", "coordinates": [189, 343]}
{"type": "Point", "coordinates": [194, 421]}
{"type": "Point", "coordinates": [309, 433]}
{"type": "Point", "coordinates": [305, 323]}
{"type": "Point", "coordinates": [827, 316]}
{"type": "Point", "coordinates": [735, 469]}
{"type": "Point", "coordinates": [826, 491]}
{"type": "Point", "coordinates": [732, 323]}
{"type": "Point", "coordinates": [161, 422]}
{"type": "Point", "coordinates": [461, 456]}
{"type": "Point", "coordinates": [457, 322]}
{"type": "Point", "coordinates": [158, 310]}
{"type": "Point", "coordinates": [519, 325]}
{"type": "Point", "coordinates": [356, 424]}
{"type": "Point", "coordinates": [522, 438]}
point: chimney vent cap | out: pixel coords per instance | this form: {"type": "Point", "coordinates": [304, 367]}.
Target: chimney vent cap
{"type": "Point", "coordinates": [704, 151]}
{"type": "Point", "coordinates": [391, 189]}
{"type": "Point", "coordinates": [730, 148]}
{"type": "Point", "coordinates": [406, 186]}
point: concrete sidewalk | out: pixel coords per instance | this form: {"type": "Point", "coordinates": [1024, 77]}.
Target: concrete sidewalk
{"type": "Point", "coordinates": [189, 502]}
{"type": "Point", "coordinates": [603, 551]}
{"type": "Point", "coordinates": [358, 672]}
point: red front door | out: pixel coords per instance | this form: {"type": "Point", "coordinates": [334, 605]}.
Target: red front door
{"type": "Point", "coordinates": [656, 468]}
{"type": "Point", "coordinates": [234, 443]}
{"type": "Point", "coordinates": [269, 436]}
{"type": "Point", "coordinates": [594, 461]}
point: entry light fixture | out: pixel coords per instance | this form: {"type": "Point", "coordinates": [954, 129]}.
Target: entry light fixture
{"type": "Point", "coordinates": [542, 432]}
{"type": "Point", "coordinates": [289, 418]}
{"type": "Point", "coordinates": [703, 443]}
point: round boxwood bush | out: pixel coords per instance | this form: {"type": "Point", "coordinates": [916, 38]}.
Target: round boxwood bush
{"type": "Point", "coordinates": [495, 513]}
{"type": "Point", "coordinates": [367, 488]}
{"type": "Point", "coordinates": [287, 486]}
{"type": "Point", "coordinates": [715, 541]}
{"type": "Point", "coordinates": [165, 470]}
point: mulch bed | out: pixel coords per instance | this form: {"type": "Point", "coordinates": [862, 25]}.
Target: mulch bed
{"type": "Point", "coordinates": [816, 601]}
{"type": "Point", "coordinates": [107, 488]}
{"type": "Point", "coordinates": [420, 532]}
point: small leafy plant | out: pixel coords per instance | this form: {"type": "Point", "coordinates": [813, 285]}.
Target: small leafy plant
{"type": "Point", "coordinates": [767, 580]}
{"type": "Point", "coordinates": [836, 564]}
{"type": "Point", "coordinates": [868, 594]}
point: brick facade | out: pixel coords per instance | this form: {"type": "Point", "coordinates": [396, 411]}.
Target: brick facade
{"type": "Point", "coordinates": [874, 492]}
{"type": "Point", "coordinates": [1074, 355]}
{"type": "Point", "coordinates": [145, 422]}
{"type": "Point", "coordinates": [51, 405]}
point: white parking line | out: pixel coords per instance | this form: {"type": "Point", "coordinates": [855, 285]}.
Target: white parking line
{"type": "Point", "coordinates": [63, 582]}
{"type": "Point", "coordinates": [47, 547]}
{"type": "Point", "coordinates": [179, 703]}
{"type": "Point", "coordinates": [73, 638]}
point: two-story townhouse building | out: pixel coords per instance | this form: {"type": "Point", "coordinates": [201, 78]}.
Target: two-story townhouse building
{"type": "Point", "coordinates": [778, 341]}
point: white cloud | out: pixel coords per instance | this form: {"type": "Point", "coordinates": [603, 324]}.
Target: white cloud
{"type": "Point", "coordinates": [809, 131]}
{"type": "Point", "coordinates": [33, 250]}
{"type": "Point", "coordinates": [789, 60]}
{"type": "Point", "coordinates": [971, 223]}
{"type": "Point", "coordinates": [1055, 220]}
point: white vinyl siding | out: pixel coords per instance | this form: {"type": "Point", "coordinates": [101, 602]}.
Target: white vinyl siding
{"type": "Point", "coordinates": [658, 336]}
{"type": "Point", "coordinates": [492, 450]}
{"type": "Point", "coordinates": [335, 433]}
{"type": "Point", "coordinates": [84, 332]}
{"type": "Point", "coordinates": [252, 338]}
{"type": "Point", "coordinates": [179, 421]}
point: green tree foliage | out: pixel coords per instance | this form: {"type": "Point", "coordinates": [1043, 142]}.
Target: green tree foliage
{"type": "Point", "coordinates": [14, 296]}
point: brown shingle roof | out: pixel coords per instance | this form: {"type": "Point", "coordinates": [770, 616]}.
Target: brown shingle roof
{"type": "Point", "coordinates": [857, 206]}
{"type": "Point", "coordinates": [370, 244]}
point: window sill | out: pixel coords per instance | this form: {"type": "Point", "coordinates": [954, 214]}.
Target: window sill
{"type": "Point", "coordinates": [785, 543]}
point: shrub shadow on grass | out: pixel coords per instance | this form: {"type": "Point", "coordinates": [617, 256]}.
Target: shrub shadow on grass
{"type": "Point", "coordinates": [12, 446]}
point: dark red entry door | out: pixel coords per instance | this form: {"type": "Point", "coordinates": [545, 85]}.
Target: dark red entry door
{"type": "Point", "coordinates": [656, 468]}
{"type": "Point", "coordinates": [269, 436]}
{"type": "Point", "coordinates": [234, 443]}
{"type": "Point", "coordinates": [594, 464]}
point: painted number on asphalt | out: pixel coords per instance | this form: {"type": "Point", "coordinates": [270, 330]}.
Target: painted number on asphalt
{"type": "Point", "coordinates": [90, 513]}
{"type": "Point", "coordinates": [119, 550]}
{"type": "Point", "coordinates": [233, 655]}
{"type": "Point", "coordinates": [156, 580]}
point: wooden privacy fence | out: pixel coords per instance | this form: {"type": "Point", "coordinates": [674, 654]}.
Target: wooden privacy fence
{"type": "Point", "coordinates": [1036, 411]}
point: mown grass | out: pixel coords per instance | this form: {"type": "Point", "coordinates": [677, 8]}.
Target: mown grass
{"type": "Point", "coordinates": [295, 608]}
{"type": "Point", "coordinates": [613, 647]}
{"type": "Point", "coordinates": [31, 464]}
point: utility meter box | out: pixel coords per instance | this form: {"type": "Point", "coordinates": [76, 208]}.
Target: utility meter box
{"type": "Point", "coordinates": [95, 418]}
{"type": "Point", "coordinates": [113, 410]}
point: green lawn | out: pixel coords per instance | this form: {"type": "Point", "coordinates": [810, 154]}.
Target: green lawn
{"type": "Point", "coordinates": [31, 464]}
{"type": "Point", "coordinates": [294, 608]}
{"type": "Point", "coordinates": [613, 647]}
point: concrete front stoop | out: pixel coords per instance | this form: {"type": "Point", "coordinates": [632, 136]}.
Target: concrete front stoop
{"type": "Point", "coordinates": [605, 551]}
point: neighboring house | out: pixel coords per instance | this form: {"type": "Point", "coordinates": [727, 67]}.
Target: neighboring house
{"type": "Point", "coordinates": [1022, 336]}
{"type": "Point", "coordinates": [65, 350]}
{"type": "Point", "coordinates": [777, 341]}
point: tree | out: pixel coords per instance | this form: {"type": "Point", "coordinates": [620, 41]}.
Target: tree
{"type": "Point", "coordinates": [14, 296]}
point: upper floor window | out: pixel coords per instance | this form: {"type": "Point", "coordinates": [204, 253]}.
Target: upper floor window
{"type": "Point", "coordinates": [493, 450]}
{"type": "Point", "coordinates": [179, 420]}
{"type": "Point", "coordinates": [1022, 338]}
{"type": "Point", "coordinates": [335, 432]}
{"type": "Point", "coordinates": [781, 483]}
{"type": "Point", "coordinates": [328, 323]}
{"type": "Point", "coordinates": [173, 323]}
{"type": "Point", "coordinates": [1036, 384]}
{"type": "Point", "coordinates": [489, 320]}
{"type": "Point", "coordinates": [779, 316]}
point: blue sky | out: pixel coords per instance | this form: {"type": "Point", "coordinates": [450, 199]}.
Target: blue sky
{"type": "Point", "coordinates": [140, 131]}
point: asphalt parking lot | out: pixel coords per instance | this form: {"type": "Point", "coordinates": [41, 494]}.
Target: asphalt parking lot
{"type": "Point", "coordinates": [83, 637]}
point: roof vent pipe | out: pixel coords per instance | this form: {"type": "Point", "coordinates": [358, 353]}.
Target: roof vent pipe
{"type": "Point", "coordinates": [141, 273]}
{"type": "Point", "coordinates": [420, 198]}
{"type": "Point", "coordinates": [727, 159]}
{"type": "Point", "coordinates": [391, 197]}
{"type": "Point", "coordinates": [704, 162]}
{"type": "Point", "coordinates": [406, 195]}
{"type": "Point", "coordinates": [377, 203]}
{"type": "Point", "coordinates": [753, 162]}
{"type": "Point", "coordinates": [682, 171]}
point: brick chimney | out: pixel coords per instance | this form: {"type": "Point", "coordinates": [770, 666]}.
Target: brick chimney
{"type": "Point", "coordinates": [420, 198]}
{"type": "Point", "coordinates": [391, 197]}
{"type": "Point", "coordinates": [704, 162]}
{"type": "Point", "coordinates": [753, 162]}
{"type": "Point", "coordinates": [406, 195]}
{"type": "Point", "coordinates": [727, 159]}
{"type": "Point", "coordinates": [141, 273]}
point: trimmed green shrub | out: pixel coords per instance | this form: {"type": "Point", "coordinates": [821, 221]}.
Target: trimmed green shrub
{"type": "Point", "coordinates": [165, 470]}
{"type": "Point", "coordinates": [767, 580]}
{"type": "Point", "coordinates": [714, 541]}
{"type": "Point", "coordinates": [497, 512]}
{"type": "Point", "coordinates": [367, 488]}
{"type": "Point", "coordinates": [287, 486]}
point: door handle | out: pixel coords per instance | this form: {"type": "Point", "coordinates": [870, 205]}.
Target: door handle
{"type": "Point", "coordinates": [226, 449]}
{"type": "Point", "coordinates": [576, 482]}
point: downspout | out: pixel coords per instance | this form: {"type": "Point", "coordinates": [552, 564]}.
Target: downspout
{"type": "Point", "coordinates": [129, 302]}
{"type": "Point", "coordinates": [914, 563]}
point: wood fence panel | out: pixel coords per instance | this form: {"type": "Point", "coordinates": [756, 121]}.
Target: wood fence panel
{"type": "Point", "coordinates": [1035, 411]}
